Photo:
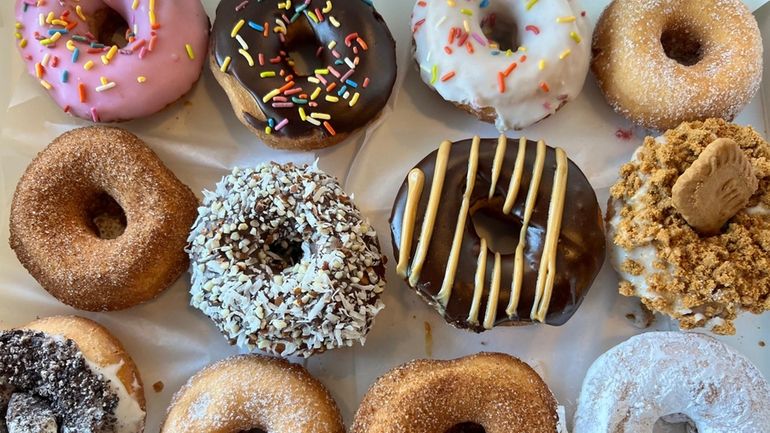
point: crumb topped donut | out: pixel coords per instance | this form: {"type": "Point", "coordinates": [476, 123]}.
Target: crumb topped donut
{"type": "Point", "coordinates": [99, 221]}
{"type": "Point", "coordinates": [657, 374]}
{"type": "Point", "coordinates": [495, 391]}
{"type": "Point", "coordinates": [68, 374]}
{"type": "Point", "coordinates": [294, 104]}
{"type": "Point", "coordinates": [283, 261]}
{"type": "Point", "coordinates": [253, 393]}
{"type": "Point", "coordinates": [663, 62]}
{"type": "Point", "coordinates": [511, 63]}
{"type": "Point", "coordinates": [700, 279]}
{"type": "Point", "coordinates": [94, 74]}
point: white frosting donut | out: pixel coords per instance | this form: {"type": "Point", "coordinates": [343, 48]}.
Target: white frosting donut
{"type": "Point", "coordinates": [666, 373]}
{"type": "Point", "coordinates": [522, 85]}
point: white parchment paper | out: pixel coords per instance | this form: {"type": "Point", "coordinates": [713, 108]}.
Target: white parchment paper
{"type": "Point", "coordinates": [200, 139]}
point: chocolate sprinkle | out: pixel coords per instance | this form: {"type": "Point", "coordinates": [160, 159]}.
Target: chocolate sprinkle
{"type": "Point", "coordinates": [48, 374]}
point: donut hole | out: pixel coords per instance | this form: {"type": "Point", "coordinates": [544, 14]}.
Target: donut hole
{"type": "Point", "coordinates": [682, 45]}
{"type": "Point", "coordinates": [674, 423]}
{"type": "Point", "coordinates": [284, 252]}
{"type": "Point", "coordinates": [466, 427]}
{"type": "Point", "coordinates": [301, 47]}
{"type": "Point", "coordinates": [501, 231]}
{"type": "Point", "coordinates": [105, 217]}
{"type": "Point", "coordinates": [109, 27]}
{"type": "Point", "coordinates": [254, 430]}
{"type": "Point", "coordinates": [500, 29]}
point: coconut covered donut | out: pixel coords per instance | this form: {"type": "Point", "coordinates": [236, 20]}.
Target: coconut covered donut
{"type": "Point", "coordinates": [253, 393]}
{"type": "Point", "coordinates": [68, 374]}
{"type": "Point", "coordinates": [663, 62]}
{"type": "Point", "coordinates": [702, 275]}
{"type": "Point", "coordinates": [495, 391]}
{"type": "Point", "coordinates": [283, 261]}
{"type": "Point", "coordinates": [99, 221]}
{"type": "Point", "coordinates": [295, 104]}
{"type": "Point", "coordinates": [511, 63]}
{"type": "Point", "coordinates": [70, 46]}
{"type": "Point", "coordinates": [653, 375]}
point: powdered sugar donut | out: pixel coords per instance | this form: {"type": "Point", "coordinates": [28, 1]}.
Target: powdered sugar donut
{"type": "Point", "coordinates": [511, 62]}
{"type": "Point", "coordinates": [657, 374]}
{"type": "Point", "coordinates": [68, 46]}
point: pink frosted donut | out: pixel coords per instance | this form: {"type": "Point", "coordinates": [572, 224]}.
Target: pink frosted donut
{"type": "Point", "coordinates": [70, 46]}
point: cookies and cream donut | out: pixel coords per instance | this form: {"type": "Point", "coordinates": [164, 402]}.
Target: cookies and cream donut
{"type": "Point", "coordinates": [99, 221]}
{"type": "Point", "coordinates": [490, 392]}
{"type": "Point", "coordinates": [675, 190]}
{"type": "Point", "coordinates": [68, 374]}
{"type": "Point", "coordinates": [663, 62]}
{"type": "Point", "coordinates": [253, 393]}
{"type": "Point", "coordinates": [498, 232]}
{"type": "Point", "coordinates": [283, 261]}
{"type": "Point", "coordinates": [69, 47]}
{"type": "Point", "coordinates": [308, 104]}
{"type": "Point", "coordinates": [691, 376]}
{"type": "Point", "coordinates": [511, 63]}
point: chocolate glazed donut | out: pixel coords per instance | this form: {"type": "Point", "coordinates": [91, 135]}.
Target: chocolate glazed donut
{"type": "Point", "coordinates": [252, 44]}
{"type": "Point", "coordinates": [536, 208]}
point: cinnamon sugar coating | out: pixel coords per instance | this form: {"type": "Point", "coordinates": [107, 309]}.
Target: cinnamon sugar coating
{"type": "Point", "coordinates": [699, 280]}
{"type": "Point", "coordinates": [54, 234]}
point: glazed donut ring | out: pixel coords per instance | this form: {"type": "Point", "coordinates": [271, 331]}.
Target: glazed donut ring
{"type": "Point", "coordinates": [497, 391]}
{"type": "Point", "coordinates": [253, 392]}
{"type": "Point", "coordinates": [718, 39]}
{"type": "Point", "coordinates": [65, 51]}
{"type": "Point", "coordinates": [108, 379]}
{"type": "Point", "coordinates": [57, 206]}
{"type": "Point", "coordinates": [657, 374]}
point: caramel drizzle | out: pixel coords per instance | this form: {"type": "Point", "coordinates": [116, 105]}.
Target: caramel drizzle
{"type": "Point", "coordinates": [547, 269]}
{"type": "Point", "coordinates": [454, 254]}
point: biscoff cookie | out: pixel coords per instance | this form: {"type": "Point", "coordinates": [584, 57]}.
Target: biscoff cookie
{"type": "Point", "coordinates": [704, 276]}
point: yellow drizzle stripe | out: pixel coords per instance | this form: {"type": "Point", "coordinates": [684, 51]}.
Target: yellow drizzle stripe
{"type": "Point", "coordinates": [518, 260]}
{"type": "Point", "coordinates": [454, 254]}
{"type": "Point", "coordinates": [547, 271]}
{"type": "Point", "coordinates": [430, 213]}
{"type": "Point", "coordinates": [416, 180]}
{"type": "Point", "coordinates": [494, 295]}
{"type": "Point", "coordinates": [497, 164]}
{"type": "Point", "coordinates": [478, 288]}
{"type": "Point", "coordinates": [518, 171]}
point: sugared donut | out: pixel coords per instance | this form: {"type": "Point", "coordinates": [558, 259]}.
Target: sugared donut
{"type": "Point", "coordinates": [511, 63]}
{"type": "Point", "coordinates": [663, 62]}
{"type": "Point", "coordinates": [283, 261]}
{"type": "Point", "coordinates": [253, 393]}
{"type": "Point", "coordinates": [495, 391]}
{"type": "Point", "coordinates": [497, 232]}
{"type": "Point", "coordinates": [320, 101]}
{"type": "Point", "coordinates": [700, 279]}
{"type": "Point", "coordinates": [99, 221]}
{"type": "Point", "coordinates": [91, 72]}
{"type": "Point", "coordinates": [68, 374]}
{"type": "Point", "coordinates": [653, 375]}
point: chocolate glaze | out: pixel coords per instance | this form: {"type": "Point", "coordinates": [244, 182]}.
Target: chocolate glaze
{"type": "Point", "coordinates": [378, 62]}
{"type": "Point", "coordinates": [581, 247]}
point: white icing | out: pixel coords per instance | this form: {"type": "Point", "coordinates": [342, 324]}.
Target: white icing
{"type": "Point", "coordinates": [475, 82]}
{"type": "Point", "coordinates": [128, 412]}
{"type": "Point", "coordinates": [662, 373]}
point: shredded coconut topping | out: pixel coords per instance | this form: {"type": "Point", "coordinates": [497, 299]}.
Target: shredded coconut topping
{"type": "Point", "coordinates": [282, 261]}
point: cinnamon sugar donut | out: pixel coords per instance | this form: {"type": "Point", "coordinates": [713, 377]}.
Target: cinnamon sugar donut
{"type": "Point", "coordinates": [100, 222]}
{"type": "Point", "coordinates": [495, 391]}
{"type": "Point", "coordinates": [253, 392]}
{"type": "Point", "coordinates": [68, 374]}
{"type": "Point", "coordinates": [663, 62]}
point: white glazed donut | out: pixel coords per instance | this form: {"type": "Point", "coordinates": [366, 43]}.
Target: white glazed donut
{"type": "Point", "coordinates": [462, 46]}
{"type": "Point", "coordinates": [657, 374]}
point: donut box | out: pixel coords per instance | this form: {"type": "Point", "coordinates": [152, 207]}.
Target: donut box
{"type": "Point", "coordinates": [200, 139]}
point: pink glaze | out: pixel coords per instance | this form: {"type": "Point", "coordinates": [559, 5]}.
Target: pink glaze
{"type": "Point", "coordinates": [168, 70]}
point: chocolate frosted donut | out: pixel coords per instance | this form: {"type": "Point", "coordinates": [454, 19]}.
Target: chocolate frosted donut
{"type": "Point", "coordinates": [345, 88]}
{"type": "Point", "coordinates": [491, 233]}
